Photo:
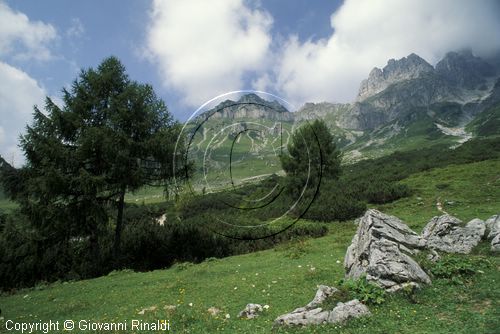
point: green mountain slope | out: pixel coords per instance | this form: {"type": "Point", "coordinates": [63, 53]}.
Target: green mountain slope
{"type": "Point", "coordinates": [284, 282]}
{"type": "Point", "coordinates": [437, 124]}
{"type": "Point", "coordinates": [487, 123]}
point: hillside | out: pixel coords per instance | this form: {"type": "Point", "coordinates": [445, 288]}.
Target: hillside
{"type": "Point", "coordinates": [286, 277]}
{"type": "Point", "coordinates": [407, 104]}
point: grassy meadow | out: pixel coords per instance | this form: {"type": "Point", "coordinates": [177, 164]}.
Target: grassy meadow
{"type": "Point", "coordinates": [286, 277]}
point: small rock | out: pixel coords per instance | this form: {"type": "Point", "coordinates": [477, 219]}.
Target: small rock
{"type": "Point", "coordinates": [433, 256]}
{"type": "Point", "coordinates": [147, 309]}
{"type": "Point", "coordinates": [322, 294]}
{"type": "Point", "coordinates": [162, 220]}
{"type": "Point", "coordinates": [345, 311]}
{"type": "Point", "coordinates": [169, 307]}
{"type": "Point", "coordinates": [213, 311]}
{"type": "Point", "coordinates": [312, 315]}
{"type": "Point", "coordinates": [307, 317]}
{"type": "Point", "coordinates": [250, 311]}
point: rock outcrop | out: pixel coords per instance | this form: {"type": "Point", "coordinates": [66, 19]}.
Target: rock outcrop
{"type": "Point", "coordinates": [406, 68]}
{"type": "Point", "coordinates": [381, 250]}
{"type": "Point", "coordinates": [493, 232]}
{"type": "Point", "coordinates": [464, 69]}
{"type": "Point", "coordinates": [445, 233]}
{"type": "Point", "coordinates": [249, 106]}
{"type": "Point", "coordinates": [495, 243]}
{"type": "Point", "coordinates": [313, 314]}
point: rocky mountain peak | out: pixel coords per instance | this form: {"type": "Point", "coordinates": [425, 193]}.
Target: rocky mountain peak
{"type": "Point", "coordinates": [465, 70]}
{"type": "Point", "coordinates": [406, 68]}
{"type": "Point", "coordinates": [249, 106]}
{"type": "Point", "coordinates": [251, 98]}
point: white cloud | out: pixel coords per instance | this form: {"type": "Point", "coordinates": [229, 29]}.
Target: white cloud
{"type": "Point", "coordinates": [366, 33]}
{"type": "Point", "coordinates": [18, 94]}
{"type": "Point", "coordinates": [76, 28]}
{"type": "Point", "coordinates": [205, 48]}
{"type": "Point", "coordinates": [23, 38]}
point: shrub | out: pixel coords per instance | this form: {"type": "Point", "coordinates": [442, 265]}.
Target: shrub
{"type": "Point", "coordinates": [364, 291]}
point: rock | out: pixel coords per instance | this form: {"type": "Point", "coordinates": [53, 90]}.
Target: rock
{"type": "Point", "coordinates": [321, 295]}
{"type": "Point", "coordinates": [312, 314]}
{"type": "Point", "coordinates": [495, 243]}
{"type": "Point", "coordinates": [380, 250]}
{"type": "Point", "coordinates": [406, 68]}
{"type": "Point", "coordinates": [162, 220]}
{"type": "Point", "coordinates": [493, 231]}
{"type": "Point", "coordinates": [433, 256]}
{"type": "Point", "coordinates": [345, 311]}
{"type": "Point", "coordinates": [445, 233]}
{"type": "Point", "coordinates": [213, 311]}
{"type": "Point", "coordinates": [250, 311]}
{"type": "Point", "coordinates": [147, 309]}
{"type": "Point", "coordinates": [493, 226]}
{"type": "Point", "coordinates": [307, 317]}
{"type": "Point", "coordinates": [169, 307]}
{"type": "Point", "coordinates": [463, 69]}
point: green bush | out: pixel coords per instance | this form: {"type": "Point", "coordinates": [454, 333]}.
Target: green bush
{"type": "Point", "coordinates": [364, 291]}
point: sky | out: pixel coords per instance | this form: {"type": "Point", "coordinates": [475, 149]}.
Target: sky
{"type": "Point", "coordinates": [191, 51]}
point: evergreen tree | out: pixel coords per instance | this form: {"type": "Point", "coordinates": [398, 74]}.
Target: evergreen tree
{"type": "Point", "coordinates": [312, 154]}
{"type": "Point", "coordinates": [112, 135]}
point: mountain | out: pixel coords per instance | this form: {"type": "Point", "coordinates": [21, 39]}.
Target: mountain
{"type": "Point", "coordinates": [406, 68]}
{"type": "Point", "coordinates": [464, 70]}
{"type": "Point", "coordinates": [410, 104]}
{"type": "Point", "coordinates": [407, 104]}
{"type": "Point", "coordinates": [249, 106]}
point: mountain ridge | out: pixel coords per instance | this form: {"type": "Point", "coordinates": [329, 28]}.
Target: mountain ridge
{"type": "Point", "coordinates": [406, 104]}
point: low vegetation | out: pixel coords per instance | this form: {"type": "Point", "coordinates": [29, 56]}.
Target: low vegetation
{"type": "Point", "coordinates": [286, 277]}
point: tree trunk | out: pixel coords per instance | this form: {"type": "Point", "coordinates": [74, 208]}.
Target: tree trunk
{"type": "Point", "coordinates": [94, 251]}
{"type": "Point", "coordinates": [119, 226]}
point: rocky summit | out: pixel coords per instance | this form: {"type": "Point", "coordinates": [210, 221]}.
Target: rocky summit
{"type": "Point", "coordinates": [406, 68]}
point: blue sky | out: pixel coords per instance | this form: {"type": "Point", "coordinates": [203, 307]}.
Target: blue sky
{"type": "Point", "coordinates": [193, 50]}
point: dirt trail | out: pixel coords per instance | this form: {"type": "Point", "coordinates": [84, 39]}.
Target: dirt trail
{"type": "Point", "coordinates": [439, 206]}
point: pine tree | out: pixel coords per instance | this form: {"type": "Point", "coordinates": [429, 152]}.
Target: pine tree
{"type": "Point", "coordinates": [312, 155]}
{"type": "Point", "coordinates": [112, 135]}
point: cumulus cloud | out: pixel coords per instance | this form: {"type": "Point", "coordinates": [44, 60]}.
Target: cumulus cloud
{"type": "Point", "coordinates": [18, 94]}
{"type": "Point", "coordinates": [205, 48]}
{"type": "Point", "coordinates": [366, 33]}
{"type": "Point", "coordinates": [23, 38]}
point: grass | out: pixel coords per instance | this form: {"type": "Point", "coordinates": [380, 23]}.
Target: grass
{"type": "Point", "coordinates": [466, 191]}
{"type": "Point", "coordinates": [284, 278]}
